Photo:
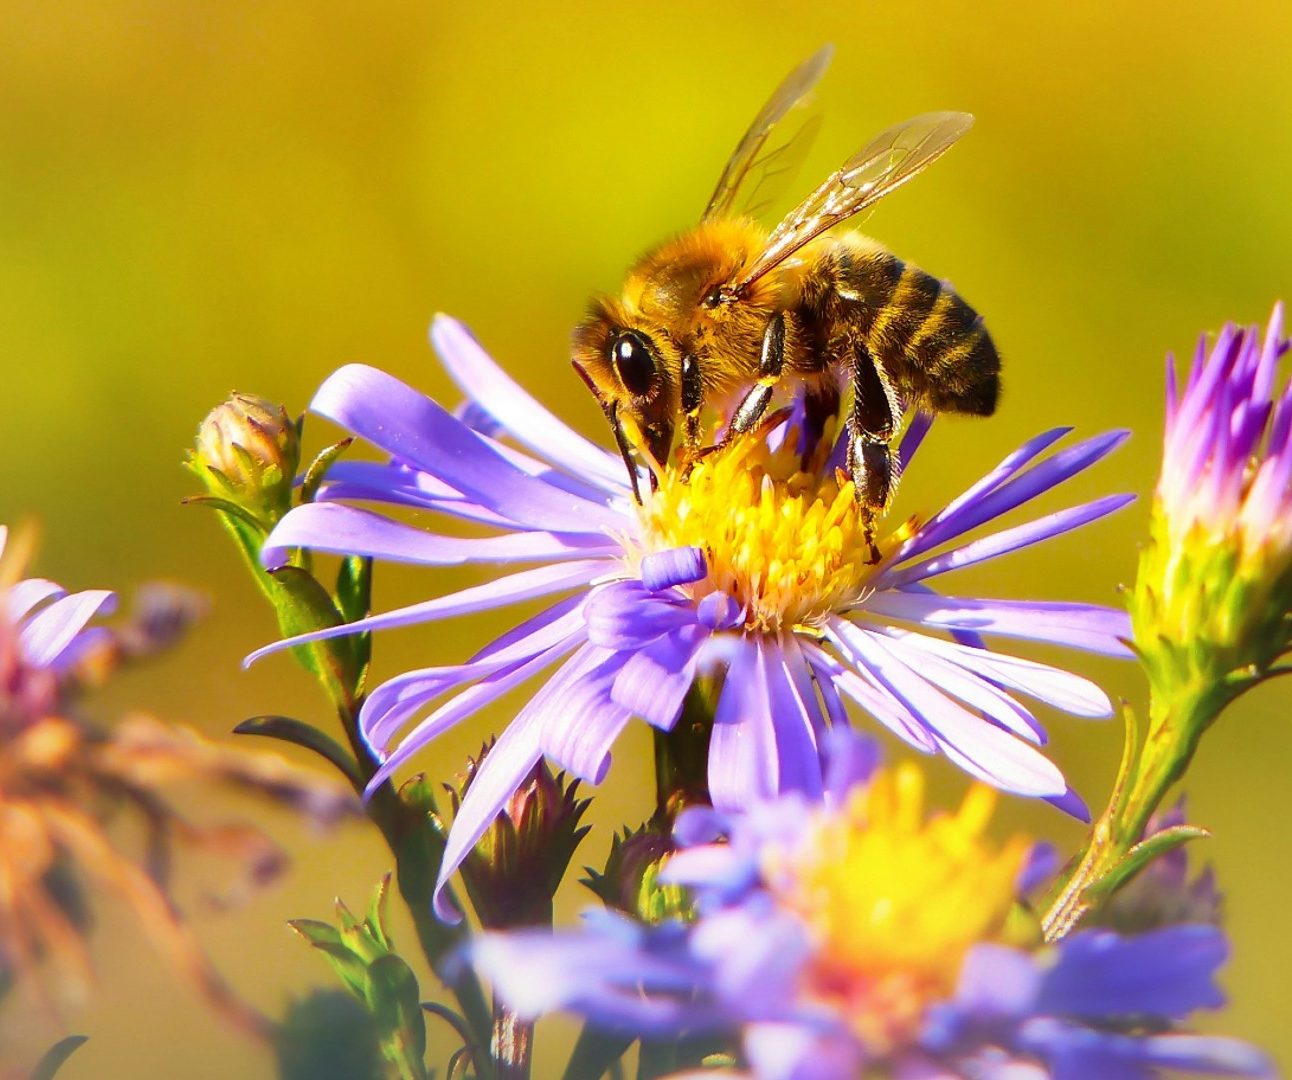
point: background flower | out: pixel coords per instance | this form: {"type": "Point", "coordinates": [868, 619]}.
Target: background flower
{"type": "Point", "coordinates": [861, 935]}
{"type": "Point", "coordinates": [63, 781]}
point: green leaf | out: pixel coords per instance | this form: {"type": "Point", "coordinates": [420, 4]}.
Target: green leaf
{"type": "Point", "coordinates": [317, 471]}
{"type": "Point", "coordinates": [1140, 856]}
{"type": "Point", "coordinates": [595, 1054]}
{"type": "Point", "coordinates": [393, 996]}
{"type": "Point", "coordinates": [303, 606]}
{"type": "Point", "coordinates": [350, 967]}
{"type": "Point", "coordinates": [299, 733]}
{"type": "Point", "coordinates": [226, 506]}
{"type": "Point", "coordinates": [376, 920]}
{"type": "Point", "coordinates": [56, 1055]}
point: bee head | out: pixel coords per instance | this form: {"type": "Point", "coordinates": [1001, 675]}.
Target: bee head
{"type": "Point", "coordinates": [629, 368]}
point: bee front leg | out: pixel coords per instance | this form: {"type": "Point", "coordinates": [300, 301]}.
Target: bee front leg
{"type": "Point", "coordinates": [771, 362]}
{"type": "Point", "coordinates": [692, 403]}
{"type": "Point", "coordinates": [870, 436]}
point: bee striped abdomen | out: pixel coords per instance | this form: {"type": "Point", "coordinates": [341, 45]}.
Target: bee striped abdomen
{"type": "Point", "coordinates": [931, 344]}
{"type": "Point", "coordinates": [900, 321]}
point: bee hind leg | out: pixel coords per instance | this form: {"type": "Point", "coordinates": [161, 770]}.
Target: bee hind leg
{"type": "Point", "coordinates": [870, 436]}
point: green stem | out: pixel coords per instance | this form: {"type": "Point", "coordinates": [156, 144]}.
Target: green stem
{"type": "Point", "coordinates": [682, 754]}
{"type": "Point", "coordinates": [1150, 768]}
{"type": "Point", "coordinates": [417, 851]}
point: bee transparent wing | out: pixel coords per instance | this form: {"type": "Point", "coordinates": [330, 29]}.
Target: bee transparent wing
{"type": "Point", "coordinates": [769, 153]}
{"type": "Point", "coordinates": [879, 167]}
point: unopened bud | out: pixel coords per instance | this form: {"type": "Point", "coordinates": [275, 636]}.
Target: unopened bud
{"type": "Point", "coordinates": [630, 882]}
{"type": "Point", "coordinates": [514, 871]}
{"type": "Point", "coordinates": [247, 452]}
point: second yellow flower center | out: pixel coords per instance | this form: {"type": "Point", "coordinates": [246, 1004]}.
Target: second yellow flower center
{"type": "Point", "coordinates": [894, 902]}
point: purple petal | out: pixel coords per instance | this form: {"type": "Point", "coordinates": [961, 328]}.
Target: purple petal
{"type": "Point", "coordinates": [413, 428]}
{"type": "Point", "coordinates": [976, 746]}
{"type": "Point", "coordinates": [391, 482]}
{"type": "Point", "coordinates": [965, 514]}
{"type": "Point", "coordinates": [465, 704]}
{"type": "Point", "coordinates": [862, 687]}
{"type": "Point", "coordinates": [677, 566]}
{"type": "Point", "coordinates": [795, 720]}
{"type": "Point", "coordinates": [975, 692]}
{"type": "Point", "coordinates": [786, 1051]}
{"type": "Point", "coordinates": [1074, 1052]}
{"type": "Point", "coordinates": [524, 585]}
{"type": "Point", "coordinates": [625, 615]}
{"type": "Point", "coordinates": [49, 632]}
{"type": "Point", "coordinates": [654, 681]}
{"type": "Point", "coordinates": [27, 595]}
{"type": "Point", "coordinates": [517, 750]}
{"type": "Point", "coordinates": [1006, 541]}
{"type": "Point", "coordinates": [742, 745]}
{"type": "Point", "coordinates": [1166, 973]}
{"type": "Point", "coordinates": [916, 430]}
{"type": "Point", "coordinates": [580, 727]}
{"type": "Point", "coordinates": [1008, 467]}
{"type": "Point", "coordinates": [347, 530]}
{"type": "Point", "coordinates": [528, 422]}
{"type": "Point", "coordinates": [391, 703]}
{"type": "Point", "coordinates": [1079, 626]}
{"type": "Point", "coordinates": [1060, 689]}
{"type": "Point", "coordinates": [851, 760]}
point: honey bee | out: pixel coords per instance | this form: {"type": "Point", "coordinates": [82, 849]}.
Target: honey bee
{"type": "Point", "coordinates": [724, 313]}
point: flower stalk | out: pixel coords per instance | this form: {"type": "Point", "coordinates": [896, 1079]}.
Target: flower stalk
{"type": "Point", "coordinates": [1212, 597]}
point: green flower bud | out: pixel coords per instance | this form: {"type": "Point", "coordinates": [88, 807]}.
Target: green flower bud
{"type": "Point", "coordinates": [247, 452]}
{"type": "Point", "coordinates": [630, 882]}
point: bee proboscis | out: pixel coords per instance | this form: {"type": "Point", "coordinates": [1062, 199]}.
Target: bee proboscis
{"type": "Point", "coordinates": [722, 314]}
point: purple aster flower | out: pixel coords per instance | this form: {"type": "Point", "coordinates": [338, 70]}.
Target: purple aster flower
{"type": "Point", "coordinates": [854, 936]}
{"type": "Point", "coordinates": [755, 563]}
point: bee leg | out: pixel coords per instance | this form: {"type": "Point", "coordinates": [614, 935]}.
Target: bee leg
{"type": "Point", "coordinates": [692, 403]}
{"type": "Point", "coordinates": [771, 363]}
{"type": "Point", "coordinates": [870, 456]}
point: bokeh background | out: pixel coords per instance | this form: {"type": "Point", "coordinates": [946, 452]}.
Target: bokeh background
{"type": "Point", "coordinates": [199, 196]}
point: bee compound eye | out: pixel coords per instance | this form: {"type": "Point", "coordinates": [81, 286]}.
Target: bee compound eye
{"type": "Point", "coordinates": [633, 362]}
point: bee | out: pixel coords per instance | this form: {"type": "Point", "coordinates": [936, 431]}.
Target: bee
{"type": "Point", "coordinates": [726, 312]}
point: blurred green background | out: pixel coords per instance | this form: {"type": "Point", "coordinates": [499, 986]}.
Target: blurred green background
{"type": "Point", "coordinates": [200, 196]}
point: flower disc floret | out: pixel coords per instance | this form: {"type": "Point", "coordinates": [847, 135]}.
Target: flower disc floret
{"type": "Point", "coordinates": [785, 541]}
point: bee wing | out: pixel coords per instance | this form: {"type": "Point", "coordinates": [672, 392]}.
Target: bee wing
{"type": "Point", "coordinates": [878, 168]}
{"type": "Point", "coordinates": [756, 169]}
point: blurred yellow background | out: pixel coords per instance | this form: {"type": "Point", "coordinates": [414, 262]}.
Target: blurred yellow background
{"type": "Point", "coordinates": [200, 196]}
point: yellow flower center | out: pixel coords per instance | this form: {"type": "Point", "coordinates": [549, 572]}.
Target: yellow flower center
{"type": "Point", "coordinates": [787, 542]}
{"type": "Point", "coordinates": [894, 902]}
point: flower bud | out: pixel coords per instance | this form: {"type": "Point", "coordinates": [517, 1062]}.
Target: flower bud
{"type": "Point", "coordinates": [1214, 588]}
{"type": "Point", "coordinates": [247, 452]}
{"type": "Point", "coordinates": [630, 882]}
{"type": "Point", "coordinates": [513, 872]}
